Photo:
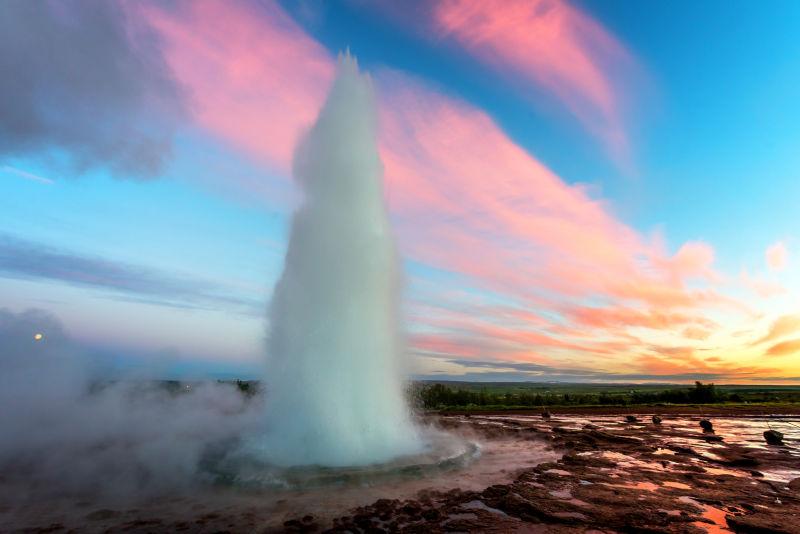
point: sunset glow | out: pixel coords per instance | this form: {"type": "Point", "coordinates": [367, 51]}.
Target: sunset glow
{"type": "Point", "coordinates": [575, 197]}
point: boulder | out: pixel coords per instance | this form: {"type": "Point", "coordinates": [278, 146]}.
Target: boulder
{"type": "Point", "coordinates": [631, 418]}
{"type": "Point", "coordinates": [706, 425]}
{"type": "Point", "coordinates": [656, 420]}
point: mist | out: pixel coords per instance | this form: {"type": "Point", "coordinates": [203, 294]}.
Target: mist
{"type": "Point", "coordinates": [64, 430]}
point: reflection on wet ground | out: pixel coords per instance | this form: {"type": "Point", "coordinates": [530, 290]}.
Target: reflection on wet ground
{"type": "Point", "coordinates": [250, 506]}
{"type": "Point", "coordinates": [566, 474]}
{"type": "Point", "coordinates": [689, 480]}
{"type": "Point", "coordinates": [620, 476]}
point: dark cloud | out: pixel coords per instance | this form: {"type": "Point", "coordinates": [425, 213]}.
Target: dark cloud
{"type": "Point", "coordinates": [24, 259]}
{"type": "Point", "coordinates": [76, 79]}
{"type": "Point", "coordinates": [498, 371]}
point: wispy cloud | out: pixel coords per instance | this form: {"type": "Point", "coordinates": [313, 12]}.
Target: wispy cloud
{"type": "Point", "coordinates": [25, 259]}
{"type": "Point", "coordinates": [26, 175]}
{"type": "Point", "coordinates": [492, 371]}
{"type": "Point", "coordinates": [544, 44]}
{"type": "Point", "coordinates": [763, 287]}
{"type": "Point", "coordinates": [785, 348]}
{"type": "Point", "coordinates": [546, 272]}
{"type": "Point", "coordinates": [254, 78]}
{"type": "Point", "coordinates": [781, 327]}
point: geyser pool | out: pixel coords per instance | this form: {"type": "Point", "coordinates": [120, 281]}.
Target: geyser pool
{"type": "Point", "coordinates": [335, 379]}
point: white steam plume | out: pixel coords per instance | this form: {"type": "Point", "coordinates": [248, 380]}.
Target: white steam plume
{"type": "Point", "coordinates": [335, 382]}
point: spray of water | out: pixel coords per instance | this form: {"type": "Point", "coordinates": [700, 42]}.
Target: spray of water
{"type": "Point", "coordinates": [335, 376]}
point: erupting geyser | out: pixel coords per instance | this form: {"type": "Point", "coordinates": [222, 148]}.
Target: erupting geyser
{"type": "Point", "coordinates": [335, 381]}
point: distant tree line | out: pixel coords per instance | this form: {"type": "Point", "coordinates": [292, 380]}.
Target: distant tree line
{"type": "Point", "coordinates": [437, 396]}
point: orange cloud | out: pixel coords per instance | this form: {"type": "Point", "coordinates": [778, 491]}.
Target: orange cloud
{"type": "Point", "coordinates": [697, 333]}
{"type": "Point", "coordinates": [464, 197]}
{"type": "Point", "coordinates": [785, 348]}
{"type": "Point", "coordinates": [621, 316]}
{"type": "Point", "coordinates": [783, 326]}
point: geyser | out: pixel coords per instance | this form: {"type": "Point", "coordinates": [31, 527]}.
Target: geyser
{"type": "Point", "coordinates": [335, 381]}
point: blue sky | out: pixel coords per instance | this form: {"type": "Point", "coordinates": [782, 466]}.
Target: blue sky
{"type": "Point", "coordinates": [175, 263]}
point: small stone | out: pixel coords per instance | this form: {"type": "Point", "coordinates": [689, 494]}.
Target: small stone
{"type": "Point", "coordinates": [656, 420]}
{"type": "Point", "coordinates": [706, 425]}
{"type": "Point", "coordinates": [773, 437]}
{"type": "Point", "coordinates": [631, 418]}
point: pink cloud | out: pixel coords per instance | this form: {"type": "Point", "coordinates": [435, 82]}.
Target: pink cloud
{"type": "Point", "coordinates": [254, 78]}
{"type": "Point", "coordinates": [693, 260]}
{"type": "Point", "coordinates": [777, 256]}
{"type": "Point", "coordinates": [760, 286]}
{"type": "Point", "coordinates": [464, 197]}
{"type": "Point", "coordinates": [491, 211]}
{"type": "Point", "coordinates": [546, 44]}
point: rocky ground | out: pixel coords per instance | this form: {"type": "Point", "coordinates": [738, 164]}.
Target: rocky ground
{"type": "Point", "coordinates": [616, 474]}
{"type": "Point", "coordinates": [638, 477]}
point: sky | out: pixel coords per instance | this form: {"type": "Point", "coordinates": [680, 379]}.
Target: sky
{"type": "Point", "coordinates": [580, 191]}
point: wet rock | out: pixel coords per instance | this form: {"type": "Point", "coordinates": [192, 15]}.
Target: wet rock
{"type": "Point", "coordinates": [656, 420]}
{"type": "Point", "coordinates": [411, 509]}
{"type": "Point", "coordinates": [631, 418]}
{"type": "Point", "coordinates": [706, 425]}
{"type": "Point", "coordinates": [53, 527]}
{"type": "Point", "coordinates": [773, 437]}
{"type": "Point", "coordinates": [794, 484]}
{"type": "Point", "coordinates": [601, 435]}
{"type": "Point", "coordinates": [766, 523]}
{"type": "Point", "coordinates": [431, 514]}
{"type": "Point", "coordinates": [546, 415]}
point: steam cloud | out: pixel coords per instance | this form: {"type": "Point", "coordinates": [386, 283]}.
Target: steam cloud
{"type": "Point", "coordinates": [335, 392]}
{"type": "Point", "coordinates": [61, 435]}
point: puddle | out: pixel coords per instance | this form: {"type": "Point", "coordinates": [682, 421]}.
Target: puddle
{"type": "Point", "coordinates": [560, 472]}
{"type": "Point", "coordinates": [678, 485]}
{"type": "Point", "coordinates": [643, 486]}
{"type": "Point", "coordinates": [723, 471]}
{"type": "Point", "coordinates": [660, 452]}
{"type": "Point", "coordinates": [479, 505]}
{"type": "Point", "coordinates": [561, 494]}
{"type": "Point", "coordinates": [718, 525]}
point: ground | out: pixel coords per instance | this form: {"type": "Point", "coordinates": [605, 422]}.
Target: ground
{"type": "Point", "coordinates": [613, 477]}
{"type": "Point", "coordinates": [610, 475]}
